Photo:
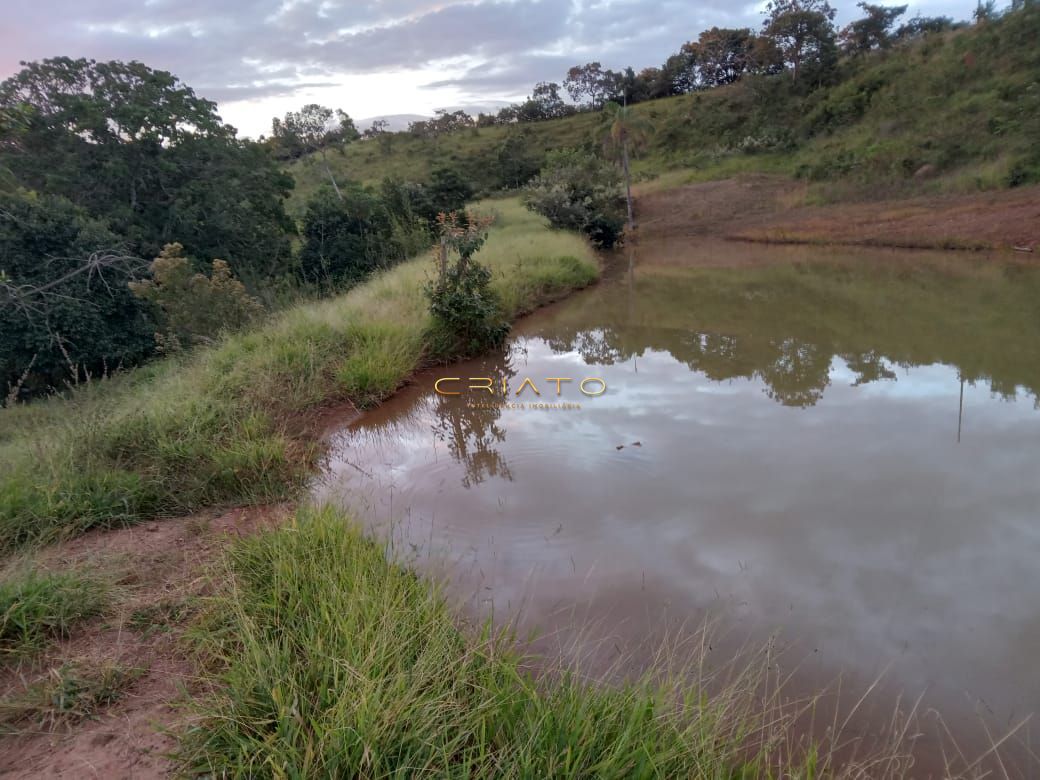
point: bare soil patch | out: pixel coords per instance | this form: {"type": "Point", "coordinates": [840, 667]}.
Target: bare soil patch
{"type": "Point", "coordinates": [770, 209]}
{"type": "Point", "coordinates": [161, 569]}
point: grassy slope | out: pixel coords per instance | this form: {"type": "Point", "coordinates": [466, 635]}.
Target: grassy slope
{"type": "Point", "coordinates": [217, 425]}
{"type": "Point", "coordinates": [966, 103]}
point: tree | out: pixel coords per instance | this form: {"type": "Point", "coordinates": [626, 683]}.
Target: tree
{"type": "Point", "coordinates": [313, 129]}
{"type": "Point", "coordinates": [515, 163]}
{"type": "Point", "coordinates": [803, 31]}
{"type": "Point", "coordinates": [449, 190]}
{"type": "Point", "coordinates": [93, 131]}
{"type": "Point", "coordinates": [139, 151]}
{"type": "Point", "coordinates": [345, 236]}
{"type": "Point", "coordinates": [449, 121]}
{"type": "Point", "coordinates": [544, 103]}
{"type": "Point", "coordinates": [380, 130]}
{"type": "Point", "coordinates": [227, 201]}
{"type": "Point", "coordinates": [587, 80]}
{"type": "Point", "coordinates": [624, 132]}
{"type": "Point", "coordinates": [680, 73]}
{"type": "Point", "coordinates": [922, 25]}
{"type": "Point", "coordinates": [722, 55]}
{"type": "Point", "coordinates": [379, 126]}
{"type": "Point", "coordinates": [873, 30]}
{"type": "Point", "coordinates": [651, 84]}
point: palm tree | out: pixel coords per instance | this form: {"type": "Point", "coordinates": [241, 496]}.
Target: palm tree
{"type": "Point", "coordinates": [624, 131]}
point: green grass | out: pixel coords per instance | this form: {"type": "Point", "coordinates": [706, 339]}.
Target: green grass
{"type": "Point", "coordinates": [325, 659]}
{"type": "Point", "coordinates": [222, 424]}
{"type": "Point", "coordinates": [36, 607]}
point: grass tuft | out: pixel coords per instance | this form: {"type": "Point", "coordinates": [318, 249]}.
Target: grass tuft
{"type": "Point", "coordinates": [39, 606]}
{"type": "Point", "coordinates": [70, 693]}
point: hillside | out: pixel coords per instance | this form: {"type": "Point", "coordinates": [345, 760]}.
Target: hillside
{"type": "Point", "coordinates": [950, 112]}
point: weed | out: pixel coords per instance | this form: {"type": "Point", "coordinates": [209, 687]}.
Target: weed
{"type": "Point", "coordinates": [69, 693]}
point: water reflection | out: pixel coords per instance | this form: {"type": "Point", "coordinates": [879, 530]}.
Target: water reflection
{"type": "Point", "coordinates": [797, 466]}
{"type": "Point", "coordinates": [785, 324]}
{"type": "Point", "coordinates": [471, 428]}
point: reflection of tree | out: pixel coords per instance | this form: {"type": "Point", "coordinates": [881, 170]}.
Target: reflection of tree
{"type": "Point", "coordinates": [799, 374]}
{"type": "Point", "coordinates": [596, 347]}
{"type": "Point", "coordinates": [868, 367]}
{"type": "Point", "coordinates": [468, 424]}
{"type": "Point", "coordinates": [785, 326]}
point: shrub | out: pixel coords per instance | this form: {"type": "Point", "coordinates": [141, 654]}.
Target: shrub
{"type": "Point", "coordinates": [65, 310]}
{"type": "Point", "coordinates": [462, 302]}
{"type": "Point", "coordinates": [580, 191]}
{"type": "Point", "coordinates": [345, 239]}
{"type": "Point", "coordinates": [195, 308]}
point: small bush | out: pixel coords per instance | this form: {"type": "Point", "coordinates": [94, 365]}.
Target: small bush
{"type": "Point", "coordinates": [462, 302]}
{"type": "Point", "coordinates": [580, 191]}
{"type": "Point", "coordinates": [196, 308]}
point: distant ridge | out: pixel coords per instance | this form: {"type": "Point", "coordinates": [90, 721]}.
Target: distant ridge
{"type": "Point", "coordinates": [397, 121]}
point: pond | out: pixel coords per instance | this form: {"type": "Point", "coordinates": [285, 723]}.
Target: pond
{"type": "Point", "coordinates": [837, 447]}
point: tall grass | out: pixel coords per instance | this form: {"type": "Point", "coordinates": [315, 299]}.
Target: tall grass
{"type": "Point", "coordinates": [222, 424]}
{"type": "Point", "coordinates": [334, 662]}
{"type": "Point", "coordinates": [324, 658]}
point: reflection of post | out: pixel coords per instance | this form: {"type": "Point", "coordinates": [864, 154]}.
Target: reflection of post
{"type": "Point", "coordinates": [632, 294]}
{"type": "Point", "coordinates": [960, 412]}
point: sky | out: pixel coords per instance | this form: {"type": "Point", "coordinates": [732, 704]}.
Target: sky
{"type": "Point", "coordinates": [261, 58]}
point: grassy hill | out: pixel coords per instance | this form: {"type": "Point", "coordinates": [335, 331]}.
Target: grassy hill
{"type": "Point", "coordinates": [955, 111]}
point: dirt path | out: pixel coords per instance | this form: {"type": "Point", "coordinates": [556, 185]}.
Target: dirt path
{"type": "Point", "coordinates": [162, 574]}
{"type": "Point", "coordinates": [771, 209]}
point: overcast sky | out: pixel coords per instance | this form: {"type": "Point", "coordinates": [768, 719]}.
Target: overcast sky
{"type": "Point", "coordinates": [261, 58]}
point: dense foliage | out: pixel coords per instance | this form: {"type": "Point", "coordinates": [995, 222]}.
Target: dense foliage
{"type": "Point", "coordinates": [126, 160]}
{"type": "Point", "coordinates": [65, 309]}
{"type": "Point", "coordinates": [136, 148]}
{"type": "Point", "coordinates": [344, 238]}
{"type": "Point", "coordinates": [351, 231]}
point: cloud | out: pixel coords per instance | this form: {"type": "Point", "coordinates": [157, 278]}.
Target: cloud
{"type": "Point", "coordinates": [460, 50]}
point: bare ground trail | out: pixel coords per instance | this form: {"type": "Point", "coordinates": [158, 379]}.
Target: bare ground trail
{"type": "Point", "coordinates": [162, 571]}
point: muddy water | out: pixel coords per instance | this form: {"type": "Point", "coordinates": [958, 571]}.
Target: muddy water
{"type": "Point", "coordinates": [839, 447]}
